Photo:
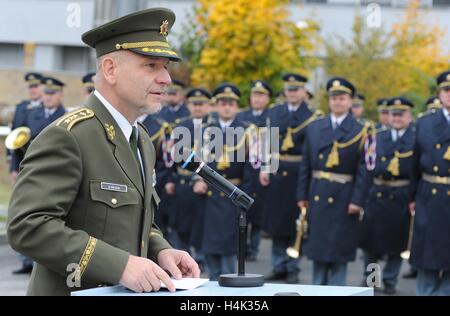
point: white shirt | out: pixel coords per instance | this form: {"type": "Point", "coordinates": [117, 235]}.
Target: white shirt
{"type": "Point", "coordinates": [175, 108]}
{"type": "Point", "coordinates": [35, 103]}
{"type": "Point", "coordinates": [337, 120]}
{"type": "Point", "coordinates": [49, 112]}
{"type": "Point", "coordinates": [197, 121]}
{"type": "Point", "coordinates": [293, 108]}
{"type": "Point", "coordinates": [257, 112]}
{"type": "Point", "coordinates": [225, 124]}
{"type": "Point", "coordinates": [397, 133]}
{"type": "Point", "coordinates": [123, 123]}
{"type": "Point", "coordinates": [446, 114]}
{"type": "Point", "coordinates": [142, 118]}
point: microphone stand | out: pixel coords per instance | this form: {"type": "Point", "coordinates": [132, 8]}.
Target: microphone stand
{"type": "Point", "coordinates": [241, 279]}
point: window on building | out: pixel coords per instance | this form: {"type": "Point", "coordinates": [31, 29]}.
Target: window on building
{"type": "Point", "coordinates": [441, 3]}
{"type": "Point", "coordinates": [77, 59]}
{"type": "Point", "coordinates": [11, 55]}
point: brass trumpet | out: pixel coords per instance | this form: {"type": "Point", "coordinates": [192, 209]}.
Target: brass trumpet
{"type": "Point", "coordinates": [302, 229]}
{"type": "Point", "coordinates": [18, 138]}
{"type": "Point", "coordinates": [407, 253]}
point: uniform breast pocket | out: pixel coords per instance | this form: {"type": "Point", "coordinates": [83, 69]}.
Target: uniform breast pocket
{"type": "Point", "coordinates": [117, 210]}
{"type": "Point", "coordinates": [113, 195]}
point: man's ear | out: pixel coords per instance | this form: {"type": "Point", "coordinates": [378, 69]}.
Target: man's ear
{"type": "Point", "coordinates": [109, 69]}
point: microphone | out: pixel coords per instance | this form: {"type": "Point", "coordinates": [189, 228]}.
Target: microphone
{"type": "Point", "coordinates": [236, 195]}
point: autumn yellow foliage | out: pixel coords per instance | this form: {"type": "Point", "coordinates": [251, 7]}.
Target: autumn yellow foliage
{"type": "Point", "coordinates": [248, 40]}
{"type": "Point", "coordinates": [385, 63]}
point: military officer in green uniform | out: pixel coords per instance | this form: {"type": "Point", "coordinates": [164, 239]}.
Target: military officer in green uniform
{"type": "Point", "coordinates": [83, 205]}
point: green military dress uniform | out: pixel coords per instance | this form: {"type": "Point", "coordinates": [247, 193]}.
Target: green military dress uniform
{"type": "Point", "coordinates": [80, 197]}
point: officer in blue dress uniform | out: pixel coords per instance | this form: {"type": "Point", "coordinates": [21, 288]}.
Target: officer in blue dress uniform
{"type": "Point", "coordinates": [430, 197]}
{"type": "Point", "coordinates": [280, 210]}
{"type": "Point", "coordinates": [254, 119]}
{"type": "Point", "coordinates": [219, 243]}
{"type": "Point", "coordinates": [386, 217]}
{"type": "Point", "coordinates": [432, 104]}
{"type": "Point", "coordinates": [331, 185]}
{"type": "Point", "coordinates": [40, 116]}
{"type": "Point", "coordinates": [383, 114]}
{"type": "Point", "coordinates": [188, 213]}
{"type": "Point", "coordinates": [88, 84]}
{"type": "Point", "coordinates": [357, 109]}
{"type": "Point", "coordinates": [37, 117]}
{"type": "Point", "coordinates": [33, 81]}
{"type": "Point", "coordinates": [160, 126]}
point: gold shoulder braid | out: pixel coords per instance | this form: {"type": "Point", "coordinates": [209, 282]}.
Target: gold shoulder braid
{"type": "Point", "coordinates": [333, 156]}
{"type": "Point", "coordinates": [394, 164]}
{"type": "Point", "coordinates": [72, 118]}
{"type": "Point", "coordinates": [166, 128]}
{"type": "Point", "coordinates": [224, 162]}
{"type": "Point", "coordinates": [288, 142]}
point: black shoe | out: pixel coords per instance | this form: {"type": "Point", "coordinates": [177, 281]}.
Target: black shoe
{"type": "Point", "coordinates": [389, 290]}
{"type": "Point", "coordinates": [292, 278]}
{"type": "Point", "coordinates": [275, 276]}
{"type": "Point", "coordinates": [412, 274]}
{"type": "Point", "coordinates": [23, 270]}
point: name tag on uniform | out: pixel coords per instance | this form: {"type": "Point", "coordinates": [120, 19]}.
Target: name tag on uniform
{"type": "Point", "coordinates": [113, 187]}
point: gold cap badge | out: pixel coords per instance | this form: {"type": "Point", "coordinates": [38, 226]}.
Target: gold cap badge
{"type": "Point", "coordinates": [164, 28]}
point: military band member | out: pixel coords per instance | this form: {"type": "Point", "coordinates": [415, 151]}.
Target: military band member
{"type": "Point", "coordinates": [83, 204]}
{"type": "Point", "coordinates": [39, 117]}
{"type": "Point", "coordinates": [310, 96]}
{"type": "Point", "coordinates": [33, 81]}
{"type": "Point", "coordinates": [386, 217]}
{"type": "Point", "coordinates": [188, 212]}
{"type": "Point", "coordinates": [432, 105]}
{"type": "Point", "coordinates": [20, 118]}
{"type": "Point", "coordinates": [280, 213]}
{"type": "Point", "coordinates": [280, 98]}
{"type": "Point", "coordinates": [175, 107]}
{"type": "Point", "coordinates": [219, 244]}
{"type": "Point", "coordinates": [357, 109]}
{"type": "Point", "coordinates": [383, 114]}
{"type": "Point", "coordinates": [255, 117]}
{"type": "Point", "coordinates": [173, 113]}
{"type": "Point", "coordinates": [331, 186]}
{"type": "Point", "coordinates": [430, 197]}
{"type": "Point", "coordinates": [88, 84]}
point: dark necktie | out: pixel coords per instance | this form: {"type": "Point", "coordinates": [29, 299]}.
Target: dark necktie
{"type": "Point", "coordinates": [396, 135]}
{"type": "Point", "coordinates": [336, 125]}
{"type": "Point", "coordinates": [134, 146]}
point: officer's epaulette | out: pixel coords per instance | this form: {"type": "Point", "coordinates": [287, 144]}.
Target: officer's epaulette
{"type": "Point", "coordinates": [380, 130]}
{"type": "Point", "coordinates": [273, 104]}
{"type": "Point", "coordinates": [182, 119]}
{"type": "Point", "coordinates": [319, 113]}
{"type": "Point", "coordinates": [70, 119]}
{"type": "Point", "coordinates": [31, 106]}
{"type": "Point", "coordinates": [427, 112]}
{"type": "Point", "coordinates": [276, 105]}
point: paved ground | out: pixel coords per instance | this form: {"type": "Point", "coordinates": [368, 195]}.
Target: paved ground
{"type": "Point", "coordinates": [16, 285]}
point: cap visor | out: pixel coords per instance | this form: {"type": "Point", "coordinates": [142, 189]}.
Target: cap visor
{"type": "Point", "coordinates": [337, 92]}
{"type": "Point", "coordinates": [166, 53]}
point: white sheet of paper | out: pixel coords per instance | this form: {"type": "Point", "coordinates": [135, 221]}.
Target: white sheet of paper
{"type": "Point", "coordinates": [187, 283]}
